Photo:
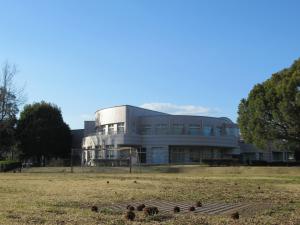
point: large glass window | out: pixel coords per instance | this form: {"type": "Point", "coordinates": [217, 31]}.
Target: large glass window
{"type": "Point", "coordinates": [232, 132]}
{"type": "Point", "coordinates": [142, 154]}
{"type": "Point", "coordinates": [177, 155]}
{"type": "Point", "coordinates": [194, 129]}
{"type": "Point", "coordinates": [111, 129]}
{"type": "Point", "coordinates": [207, 131]}
{"type": "Point", "coordinates": [120, 128]}
{"type": "Point", "coordinates": [218, 131]}
{"type": "Point", "coordinates": [146, 129]}
{"type": "Point", "coordinates": [157, 156]}
{"type": "Point", "coordinates": [194, 155]}
{"type": "Point", "coordinates": [277, 156]}
{"type": "Point", "coordinates": [161, 129]}
{"type": "Point", "coordinates": [177, 129]}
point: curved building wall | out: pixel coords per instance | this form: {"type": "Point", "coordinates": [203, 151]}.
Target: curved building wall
{"type": "Point", "coordinates": [111, 115]}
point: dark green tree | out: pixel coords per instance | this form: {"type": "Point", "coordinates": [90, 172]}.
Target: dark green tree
{"type": "Point", "coordinates": [271, 113]}
{"type": "Point", "coordinates": [42, 132]}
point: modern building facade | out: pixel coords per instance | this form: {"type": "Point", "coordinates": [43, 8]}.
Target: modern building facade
{"type": "Point", "coordinates": [151, 137]}
{"type": "Point", "coordinates": [158, 138]}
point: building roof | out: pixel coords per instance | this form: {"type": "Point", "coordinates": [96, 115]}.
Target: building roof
{"type": "Point", "coordinates": [166, 114]}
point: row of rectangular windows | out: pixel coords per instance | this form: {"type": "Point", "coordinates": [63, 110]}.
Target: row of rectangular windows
{"type": "Point", "coordinates": [193, 129]}
{"type": "Point", "coordinates": [110, 128]}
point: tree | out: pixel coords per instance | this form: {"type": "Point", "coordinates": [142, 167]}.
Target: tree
{"type": "Point", "coordinates": [42, 132]}
{"type": "Point", "coordinates": [10, 100]}
{"type": "Point", "coordinates": [271, 113]}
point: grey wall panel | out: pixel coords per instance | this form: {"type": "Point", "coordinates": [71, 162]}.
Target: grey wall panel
{"type": "Point", "coordinates": [89, 128]}
{"type": "Point", "coordinates": [228, 141]}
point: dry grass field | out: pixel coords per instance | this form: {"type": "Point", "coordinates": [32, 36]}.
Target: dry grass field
{"type": "Point", "coordinates": [56, 196]}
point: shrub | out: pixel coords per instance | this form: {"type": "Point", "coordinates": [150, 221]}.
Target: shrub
{"type": "Point", "coordinates": [9, 165]}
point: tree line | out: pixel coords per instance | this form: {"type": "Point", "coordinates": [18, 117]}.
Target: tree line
{"type": "Point", "coordinates": [39, 133]}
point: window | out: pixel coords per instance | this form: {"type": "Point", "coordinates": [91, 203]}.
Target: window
{"type": "Point", "coordinates": [120, 128]}
{"type": "Point", "coordinates": [290, 156]}
{"type": "Point", "coordinates": [277, 156]}
{"type": "Point", "coordinates": [194, 129]}
{"type": "Point", "coordinates": [146, 129]}
{"type": "Point", "coordinates": [161, 129]}
{"type": "Point", "coordinates": [177, 129]}
{"type": "Point", "coordinates": [232, 132]}
{"type": "Point", "coordinates": [157, 155]}
{"type": "Point", "coordinates": [111, 129]}
{"type": "Point", "coordinates": [207, 131]}
{"type": "Point", "coordinates": [177, 155]}
{"type": "Point", "coordinates": [102, 129]}
{"type": "Point", "coordinates": [218, 131]}
{"type": "Point", "coordinates": [194, 155]}
{"type": "Point", "coordinates": [110, 151]}
{"type": "Point", "coordinates": [111, 154]}
{"type": "Point", "coordinates": [142, 154]}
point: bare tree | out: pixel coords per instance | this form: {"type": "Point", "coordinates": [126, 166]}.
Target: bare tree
{"type": "Point", "coordinates": [11, 98]}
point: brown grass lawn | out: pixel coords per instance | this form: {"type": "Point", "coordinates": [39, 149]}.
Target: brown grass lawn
{"type": "Point", "coordinates": [55, 196]}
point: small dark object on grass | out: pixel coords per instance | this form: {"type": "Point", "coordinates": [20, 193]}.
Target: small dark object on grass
{"type": "Point", "coordinates": [199, 204]}
{"type": "Point", "coordinates": [176, 209]}
{"type": "Point", "coordinates": [155, 209]}
{"type": "Point", "coordinates": [192, 208]}
{"type": "Point", "coordinates": [150, 211]}
{"type": "Point", "coordinates": [94, 208]}
{"type": "Point", "coordinates": [135, 182]}
{"type": "Point", "coordinates": [130, 207]}
{"type": "Point", "coordinates": [107, 182]}
{"type": "Point", "coordinates": [130, 215]}
{"type": "Point", "coordinates": [235, 215]}
{"type": "Point", "coordinates": [235, 183]}
{"type": "Point", "coordinates": [140, 207]}
{"type": "Point", "coordinates": [258, 187]}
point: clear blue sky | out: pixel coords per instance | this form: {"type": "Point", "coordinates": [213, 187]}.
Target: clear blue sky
{"type": "Point", "coordinates": [85, 55]}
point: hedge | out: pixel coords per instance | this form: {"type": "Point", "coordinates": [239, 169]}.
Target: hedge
{"type": "Point", "coordinates": [9, 165]}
